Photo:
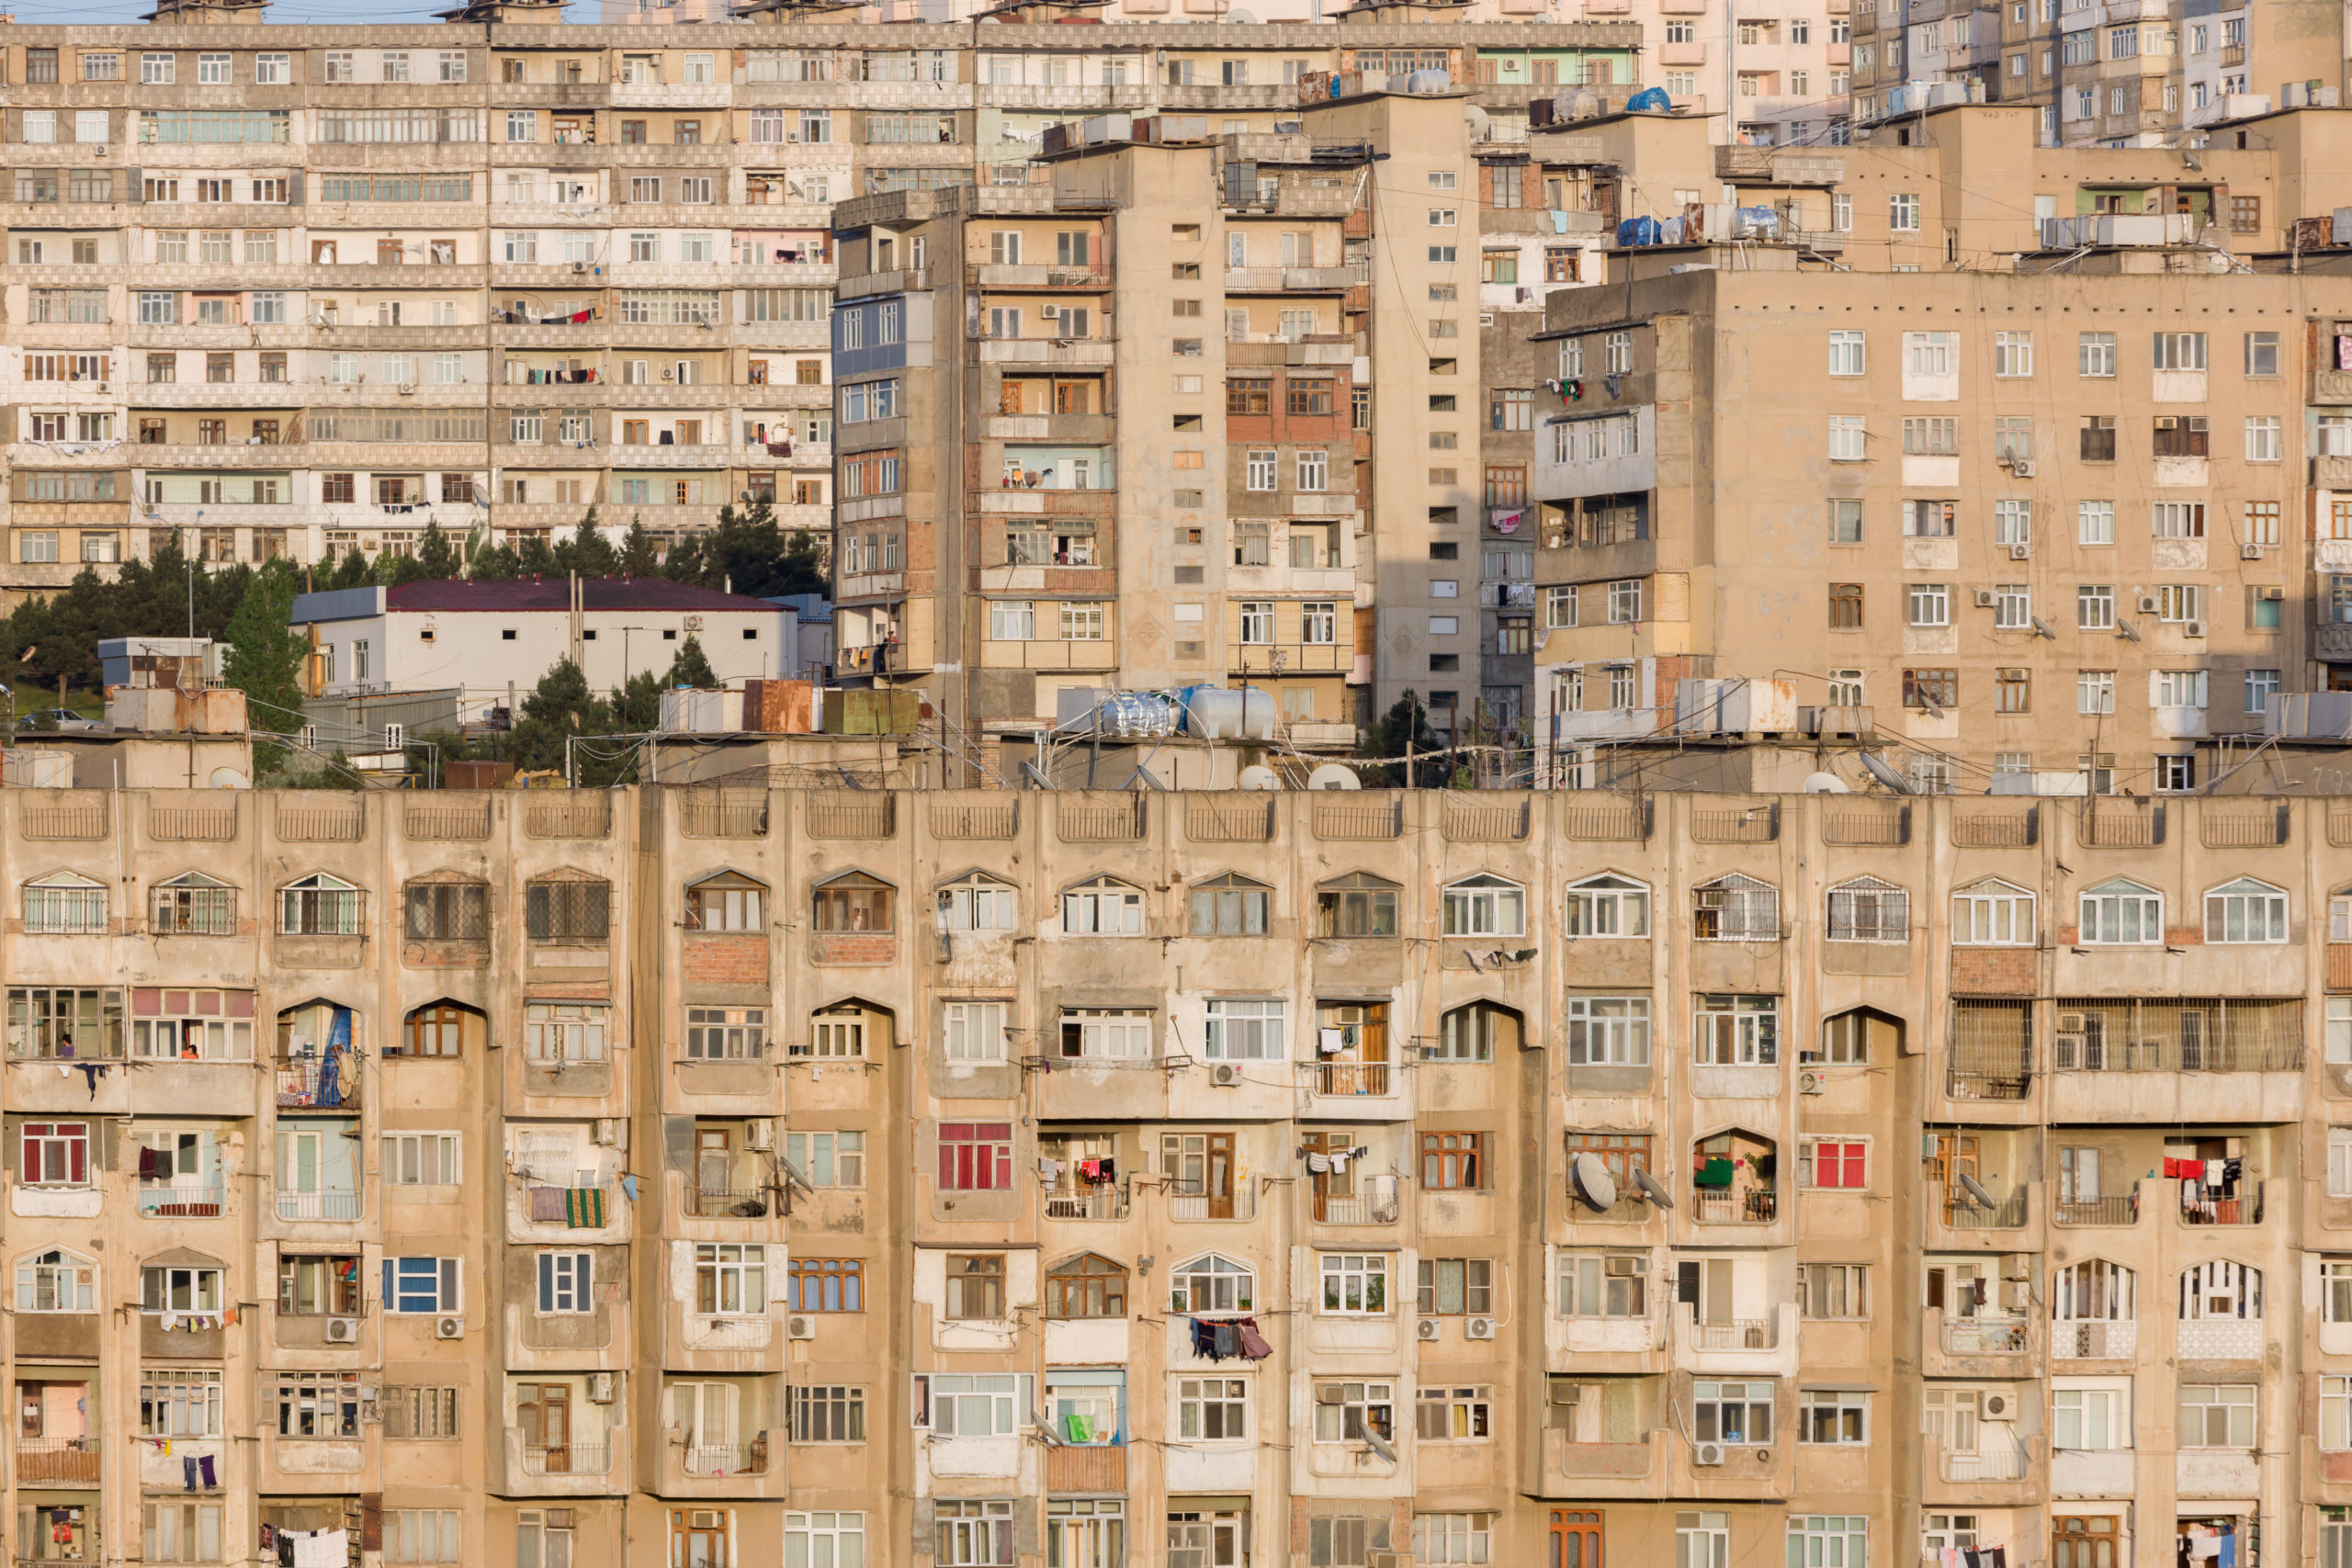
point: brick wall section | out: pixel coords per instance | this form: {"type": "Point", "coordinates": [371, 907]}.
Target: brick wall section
{"type": "Point", "coordinates": [1993, 971]}
{"type": "Point", "coordinates": [853, 947]}
{"type": "Point", "coordinates": [728, 960]}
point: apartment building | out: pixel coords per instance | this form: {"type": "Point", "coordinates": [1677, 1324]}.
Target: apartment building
{"type": "Point", "coordinates": [2101, 476]}
{"type": "Point", "coordinates": [1441, 1246]}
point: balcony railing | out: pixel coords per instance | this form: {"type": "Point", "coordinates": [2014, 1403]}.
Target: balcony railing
{"type": "Point", "coordinates": [318, 1083]}
{"type": "Point", "coordinates": [1995, 1459]}
{"type": "Point", "coordinates": [2178, 1034]}
{"type": "Point", "coordinates": [722, 1459]}
{"type": "Point", "coordinates": [1106, 1201]}
{"type": "Point", "coordinates": [728, 1202]}
{"type": "Point", "coordinates": [1374, 1202]}
{"type": "Point", "coordinates": [61, 1461]}
{"type": "Point", "coordinates": [572, 1458]}
{"type": "Point", "coordinates": [2095, 1340]}
{"type": "Point", "coordinates": [1758, 1206]}
{"type": "Point", "coordinates": [2221, 1339]}
{"type": "Point", "coordinates": [190, 1201]}
{"type": "Point", "coordinates": [328, 1205]}
{"type": "Point", "coordinates": [1986, 1335]}
{"type": "Point", "coordinates": [1737, 1334]}
{"type": "Point", "coordinates": [2242, 1209]}
{"type": "Point", "coordinates": [2113, 1209]}
{"type": "Point", "coordinates": [1964, 1214]}
{"type": "Point", "coordinates": [1352, 1079]}
{"type": "Point", "coordinates": [1188, 1201]}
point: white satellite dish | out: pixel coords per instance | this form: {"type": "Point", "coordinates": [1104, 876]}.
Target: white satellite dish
{"type": "Point", "coordinates": [1258, 776]}
{"type": "Point", "coordinates": [1476, 120]}
{"type": "Point", "coordinates": [1977, 1193]}
{"type": "Point", "coordinates": [230, 778]}
{"type": "Point", "coordinates": [1334, 775]}
{"type": "Point", "coordinates": [1594, 1183]}
{"type": "Point", "coordinates": [1885, 775]}
{"type": "Point", "coordinates": [1824, 784]}
{"type": "Point", "coordinates": [1654, 1188]}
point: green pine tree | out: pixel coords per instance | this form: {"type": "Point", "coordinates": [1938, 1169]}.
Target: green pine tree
{"type": "Point", "coordinates": [690, 667]}
{"type": "Point", "coordinates": [641, 555]}
{"type": "Point", "coordinates": [436, 558]}
{"type": "Point", "coordinates": [264, 657]}
{"type": "Point", "coordinates": [560, 707]}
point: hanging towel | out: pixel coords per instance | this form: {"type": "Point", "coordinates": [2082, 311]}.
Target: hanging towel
{"type": "Point", "coordinates": [1227, 1341]}
{"type": "Point", "coordinates": [1078, 1428]}
{"type": "Point", "coordinates": [1559, 221]}
{"type": "Point", "coordinates": [546, 1205]}
{"type": "Point", "coordinates": [2212, 1173]}
{"type": "Point", "coordinates": [150, 1163]}
{"type": "Point", "coordinates": [2171, 1166]}
{"type": "Point", "coordinates": [171, 1321]}
{"type": "Point", "coordinates": [1715, 1173]}
{"type": "Point", "coordinates": [1317, 1162]}
{"type": "Point", "coordinates": [1253, 1344]}
{"type": "Point", "coordinates": [583, 1208]}
{"type": "Point", "coordinates": [629, 1187]}
{"type": "Point", "coordinates": [1330, 1041]}
{"type": "Point", "coordinates": [187, 1471]}
{"type": "Point", "coordinates": [2227, 1555]}
{"type": "Point", "coordinates": [204, 1467]}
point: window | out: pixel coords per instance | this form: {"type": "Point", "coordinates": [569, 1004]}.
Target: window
{"type": "Point", "coordinates": [975, 1156]}
{"type": "Point", "coordinates": [54, 1153]}
{"type": "Point", "coordinates": [1932, 438]}
{"type": "Point", "coordinates": [1088, 1285]}
{"type": "Point", "coordinates": [976, 904]}
{"type": "Point", "coordinates": [1703, 1540]}
{"type": "Point", "coordinates": [1736, 1030]}
{"type": "Point", "coordinates": [1356, 905]}
{"type": "Point", "coordinates": [2121, 913]}
{"type": "Point", "coordinates": [731, 1279]}
{"type": "Point", "coordinates": [422, 1285]}
{"type": "Point", "coordinates": [2012, 354]}
{"type": "Point", "coordinates": [312, 1286]}
{"type": "Point", "coordinates": [853, 902]}
{"type": "Point", "coordinates": [57, 1280]}
{"type": "Point", "coordinates": [422, 1160]}
{"type": "Point", "coordinates": [1451, 1286]}
{"type": "Point", "coordinates": [828, 1413]}
{"type": "Point", "coordinates": [1867, 909]}
{"type": "Point", "coordinates": [420, 1535]}
{"type": "Point", "coordinates": [567, 910]}
{"type": "Point", "coordinates": [1828, 1415]}
{"type": "Point", "coordinates": [2090, 1419]}
{"type": "Point", "coordinates": [1213, 1410]}
{"type": "Point", "coordinates": [1738, 1413]}
{"type": "Point", "coordinates": [1608, 1031]}
{"type": "Point", "coordinates": [2245, 911]}
{"type": "Point", "coordinates": [1485, 906]}
{"type": "Point", "coordinates": [1608, 906]}
{"type": "Point", "coordinates": [1453, 1160]}
{"type": "Point", "coordinates": [1847, 354]}
{"type": "Point", "coordinates": [827, 1159]}
{"type": "Point", "coordinates": [1903, 212]}
{"type": "Point", "coordinates": [1355, 1282]}
{"type": "Point", "coordinates": [975, 1287]}
{"type": "Point", "coordinates": [178, 1401]}
{"type": "Point", "coordinates": [1103, 907]}
{"type": "Point", "coordinates": [974, 1405]}
{"type": "Point", "coordinates": [2094, 691]}
{"type": "Point", "coordinates": [817, 1540]}
{"type": "Point", "coordinates": [65, 905]}
{"type": "Point", "coordinates": [2217, 1415]}
{"type": "Point", "coordinates": [565, 1031]}
{"type": "Point", "coordinates": [2179, 351]}
{"type": "Point", "coordinates": [1604, 1286]}
{"type": "Point", "coordinates": [1844, 606]}
{"type": "Point", "coordinates": [539, 1543]}
{"type": "Point", "coordinates": [1736, 908]}
{"type": "Point", "coordinates": [1829, 1540]}
{"type": "Point", "coordinates": [1230, 905]}
{"type": "Point", "coordinates": [724, 903]}
{"type": "Point", "coordinates": [1106, 1033]}
{"type": "Point", "coordinates": [1992, 914]}
{"type": "Point", "coordinates": [447, 911]}
{"type": "Point", "coordinates": [974, 1031]}
{"type": "Point", "coordinates": [825, 1284]}
{"type": "Point", "coordinates": [1453, 1539]}
{"type": "Point", "coordinates": [1930, 603]}
{"type": "Point", "coordinates": [566, 1283]}
{"type": "Point", "coordinates": [1832, 1291]}
{"type": "Point", "coordinates": [1346, 1411]}
{"type": "Point", "coordinates": [319, 904]}
{"type": "Point", "coordinates": [1245, 1029]}
{"type": "Point", "coordinates": [1833, 1163]}
{"type": "Point", "coordinates": [1847, 434]}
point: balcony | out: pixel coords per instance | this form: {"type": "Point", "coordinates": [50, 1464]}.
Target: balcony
{"type": "Point", "coordinates": [1756, 1206]}
{"type": "Point", "coordinates": [187, 1201]}
{"type": "Point", "coordinates": [57, 1461]}
{"type": "Point", "coordinates": [1374, 1202]}
{"type": "Point", "coordinates": [2331, 386]}
{"type": "Point", "coordinates": [712, 1203]}
{"type": "Point", "coordinates": [1350, 1079]}
{"type": "Point", "coordinates": [703, 1459]}
{"type": "Point", "coordinates": [2243, 1207]}
{"type": "Point", "coordinates": [2219, 1339]}
{"type": "Point", "coordinates": [1998, 1457]}
{"type": "Point", "coordinates": [572, 1459]}
{"type": "Point", "coordinates": [318, 1083]}
{"type": "Point", "coordinates": [1735, 1333]}
{"type": "Point", "coordinates": [1963, 1212]}
{"type": "Point", "coordinates": [2113, 1209]}
{"type": "Point", "coordinates": [1188, 1202]}
{"type": "Point", "coordinates": [318, 1205]}
{"type": "Point", "coordinates": [1103, 1201]}
{"type": "Point", "coordinates": [1987, 1336]}
{"type": "Point", "coordinates": [2096, 1340]}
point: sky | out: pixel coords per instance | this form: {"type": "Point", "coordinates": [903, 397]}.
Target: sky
{"type": "Point", "coordinates": [59, 11]}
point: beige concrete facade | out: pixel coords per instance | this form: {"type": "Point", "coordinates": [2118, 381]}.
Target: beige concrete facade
{"type": "Point", "coordinates": [925, 1124]}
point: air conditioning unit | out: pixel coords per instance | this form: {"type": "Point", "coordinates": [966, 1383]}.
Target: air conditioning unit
{"type": "Point", "coordinates": [1478, 1328]}
{"type": "Point", "coordinates": [2274, 593]}
{"type": "Point", "coordinates": [1225, 1075]}
{"type": "Point", "coordinates": [343, 1331]}
{"type": "Point", "coordinates": [600, 1387]}
{"type": "Point", "coordinates": [2147, 603]}
{"type": "Point", "coordinates": [1429, 1328]}
{"type": "Point", "coordinates": [2000, 1407]}
{"type": "Point", "coordinates": [1983, 598]}
{"type": "Point", "coordinates": [2249, 552]}
{"type": "Point", "coordinates": [448, 1328]}
{"type": "Point", "coordinates": [801, 1328]}
{"type": "Point", "coordinates": [1812, 1083]}
{"type": "Point", "coordinates": [1707, 1453]}
{"type": "Point", "coordinates": [580, 267]}
{"type": "Point", "coordinates": [104, 387]}
{"type": "Point", "coordinates": [612, 1132]}
{"type": "Point", "coordinates": [2193, 629]}
{"type": "Point", "coordinates": [694, 622]}
{"type": "Point", "coordinates": [1383, 1559]}
{"type": "Point", "coordinates": [1330, 1394]}
{"type": "Point", "coordinates": [2021, 552]}
{"type": "Point", "coordinates": [2023, 467]}
{"type": "Point", "coordinates": [2070, 1024]}
{"type": "Point", "coordinates": [704, 1519]}
{"type": "Point", "coordinates": [759, 1133]}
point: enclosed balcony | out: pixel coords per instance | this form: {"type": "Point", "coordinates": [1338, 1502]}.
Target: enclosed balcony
{"type": "Point", "coordinates": [1352, 1050]}
{"type": "Point", "coordinates": [57, 1435]}
{"type": "Point", "coordinates": [1084, 1177]}
{"type": "Point", "coordinates": [1735, 1179]}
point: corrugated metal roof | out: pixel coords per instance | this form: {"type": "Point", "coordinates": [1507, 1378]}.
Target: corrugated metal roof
{"type": "Point", "coordinates": [555, 593]}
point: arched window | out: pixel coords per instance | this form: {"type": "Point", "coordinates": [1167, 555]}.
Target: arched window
{"type": "Point", "coordinates": [1608, 904]}
{"type": "Point", "coordinates": [1476, 1032]}
{"type": "Point", "coordinates": [978, 903]}
{"type": "Point", "coordinates": [2122, 913]}
{"type": "Point", "coordinates": [1736, 908]}
{"type": "Point", "coordinates": [1356, 905]}
{"type": "Point", "coordinates": [2245, 911]}
{"type": "Point", "coordinates": [1992, 913]}
{"type": "Point", "coordinates": [193, 904]}
{"type": "Point", "coordinates": [438, 1029]}
{"type": "Point", "coordinates": [2093, 1291]}
{"type": "Point", "coordinates": [1088, 1285]}
{"type": "Point", "coordinates": [855, 902]}
{"type": "Point", "coordinates": [319, 904]}
{"type": "Point", "coordinates": [66, 904]}
{"type": "Point", "coordinates": [1485, 906]}
{"type": "Point", "coordinates": [846, 1031]}
{"type": "Point", "coordinates": [56, 1281]}
{"type": "Point", "coordinates": [1230, 905]}
{"type": "Point", "coordinates": [1211, 1283]}
{"type": "Point", "coordinates": [2220, 1288]}
{"type": "Point", "coordinates": [727, 902]}
{"type": "Point", "coordinates": [1867, 909]}
{"type": "Point", "coordinates": [1104, 907]}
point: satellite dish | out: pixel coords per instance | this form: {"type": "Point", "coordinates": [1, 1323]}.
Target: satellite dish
{"type": "Point", "coordinates": [1654, 1188]}
{"type": "Point", "coordinates": [1238, 15]}
{"type": "Point", "coordinates": [1334, 775]}
{"type": "Point", "coordinates": [1886, 774]}
{"type": "Point", "coordinates": [1258, 776]}
{"type": "Point", "coordinates": [1379, 1445]}
{"type": "Point", "coordinates": [230, 778]}
{"type": "Point", "coordinates": [1476, 120]}
{"type": "Point", "coordinates": [1594, 1183]}
{"type": "Point", "coordinates": [1977, 1193]}
{"type": "Point", "coordinates": [1824, 784]}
